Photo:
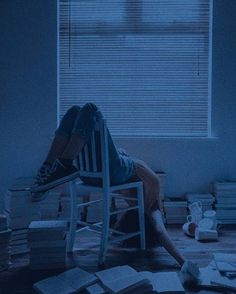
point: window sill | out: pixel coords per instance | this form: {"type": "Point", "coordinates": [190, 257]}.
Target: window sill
{"type": "Point", "coordinates": [165, 138]}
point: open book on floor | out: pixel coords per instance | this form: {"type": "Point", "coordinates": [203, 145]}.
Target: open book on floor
{"type": "Point", "coordinates": [225, 262]}
{"type": "Point", "coordinates": [68, 282]}
{"type": "Point", "coordinates": [124, 279]}
{"type": "Point", "coordinates": [165, 282]}
{"type": "Point", "coordinates": [211, 278]}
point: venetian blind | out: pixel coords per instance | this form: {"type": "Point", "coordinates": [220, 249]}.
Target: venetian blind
{"type": "Point", "coordinates": [145, 63]}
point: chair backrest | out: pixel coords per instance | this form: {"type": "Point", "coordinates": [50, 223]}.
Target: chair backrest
{"type": "Point", "coordinates": [93, 160]}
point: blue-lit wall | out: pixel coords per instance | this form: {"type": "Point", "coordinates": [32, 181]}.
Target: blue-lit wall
{"type": "Point", "coordinates": [28, 92]}
{"type": "Point", "coordinates": [27, 84]}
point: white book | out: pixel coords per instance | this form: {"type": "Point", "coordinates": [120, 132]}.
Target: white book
{"type": "Point", "coordinates": [224, 282]}
{"type": "Point", "coordinates": [95, 289]}
{"type": "Point", "coordinates": [114, 272]}
{"type": "Point", "coordinates": [207, 274]}
{"type": "Point", "coordinates": [47, 225]}
{"type": "Point", "coordinates": [126, 284]}
{"type": "Point", "coordinates": [167, 282]}
{"type": "Point", "coordinates": [53, 285]}
{"type": "Point", "coordinates": [78, 278]}
{"type": "Point", "coordinates": [225, 262]}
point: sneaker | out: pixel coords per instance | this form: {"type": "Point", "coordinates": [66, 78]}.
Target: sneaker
{"type": "Point", "coordinates": [43, 172]}
{"type": "Point", "coordinates": [56, 175]}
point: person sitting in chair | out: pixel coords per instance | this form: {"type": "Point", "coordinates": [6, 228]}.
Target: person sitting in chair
{"type": "Point", "coordinates": [71, 136]}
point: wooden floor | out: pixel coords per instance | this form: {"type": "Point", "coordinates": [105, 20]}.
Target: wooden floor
{"type": "Point", "coordinates": [19, 279]}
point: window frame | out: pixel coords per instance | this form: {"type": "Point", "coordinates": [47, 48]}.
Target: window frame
{"type": "Point", "coordinates": [137, 26]}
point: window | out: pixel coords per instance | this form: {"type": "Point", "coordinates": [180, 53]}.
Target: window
{"type": "Point", "coordinates": [145, 63]}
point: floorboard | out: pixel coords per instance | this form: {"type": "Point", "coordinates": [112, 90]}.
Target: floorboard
{"type": "Point", "coordinates": [19, 279]}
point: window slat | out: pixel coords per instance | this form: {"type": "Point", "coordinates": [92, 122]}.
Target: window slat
{"type": "Point", "coordinates": [145, 63]}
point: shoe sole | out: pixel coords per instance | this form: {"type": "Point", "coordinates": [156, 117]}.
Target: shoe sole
{"type": "Point", "coordinates": [53, 184]}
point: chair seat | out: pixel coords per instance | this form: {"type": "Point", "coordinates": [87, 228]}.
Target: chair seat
{"type": "Point", "coordinates": [83, 189]}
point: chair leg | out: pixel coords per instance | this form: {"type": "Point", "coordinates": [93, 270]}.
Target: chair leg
{"type": "Point", "coordinates": [105, 229]}
{"type": "Point", "coordinates": [141, 217]}
{"type": "Point", "coordinates": [73, 216]}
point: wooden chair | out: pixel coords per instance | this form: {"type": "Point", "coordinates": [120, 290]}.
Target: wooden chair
{"type": "Point", "coordinates": [93, 165]}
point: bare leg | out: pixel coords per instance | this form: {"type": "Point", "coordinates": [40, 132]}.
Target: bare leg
{"type": "Point", "coordinates": [153, 207]}
{"type": "Point", "coordinates": [164, 238]}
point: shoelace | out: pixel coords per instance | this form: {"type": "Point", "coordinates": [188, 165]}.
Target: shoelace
{"type": "Point", "coordinates": [44, 173]}
{"type": "Point", "coordinates": [47, 171]}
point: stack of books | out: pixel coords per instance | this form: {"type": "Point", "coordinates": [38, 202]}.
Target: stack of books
{"type": "Point", "coordinates": [20, 211]}
{"type": "Point", "coordinates": [207, 200]}
{"type": "Point", "coordinates": [47, 242]}
{"type": "Point", "coordinates": [19, 241]}
{"type": "Point", "coordinates": [175, 211]}
{"type": "Point", "coordinates": [5, 235]}
{"type": "Point", "coordinates": [68, 282]}
{"type": "Point", "coordinates": [225, 194]}
{"type": "Point", "coordinates": [220, 274]}
{"type": "Point", "coordinates": [49, 206]}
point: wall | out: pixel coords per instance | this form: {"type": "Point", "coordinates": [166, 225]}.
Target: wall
{"type": "Point", "coordinates": [27, 85]}
{"type": "Point", "coordinates": [192, 164]}
{"type": "Point", "coordinates": [28, 102]}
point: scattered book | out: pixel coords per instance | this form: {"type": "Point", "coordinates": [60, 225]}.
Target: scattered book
{"type": "Point", "coordinates": [127, 284]}
{"type": "Point", "coordinates": [225, 262]}
{"type": "Point", "coordinates": [68, 282]}
{"type": "Point", "coordinates": [164, 282]}
{"type": "Point", "coordinates": [226, 283]}
{"type": "Point", "coordinates": [124, 279]}
{"type": "Point", "coordinates": [167, 282]}
{"type": "Point", "coordinates": [95, 289]}
{"type": "Point", "coordinates": [53, 285]}
{"type": "Point", "coordinates": [78, 278]}
{"type": "Point", "coordinates": [114, 272]}
{"type": "Point", "coordinates": [47, 242]}
{"type": "Point", "coordinates": [210, 278]}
